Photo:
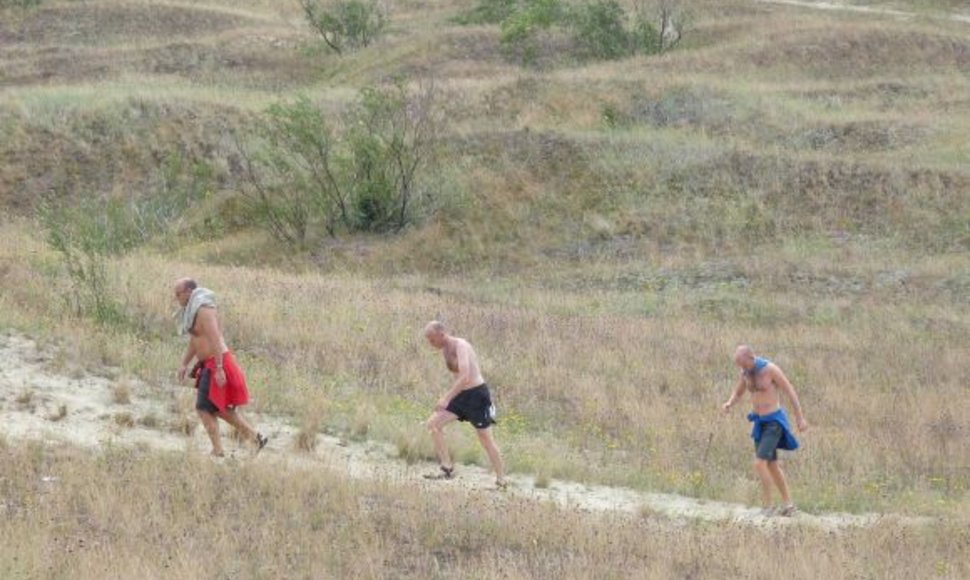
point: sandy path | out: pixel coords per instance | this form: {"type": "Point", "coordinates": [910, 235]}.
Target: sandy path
{"type": "Point", "coordinates": [41, 403]}
{"type": "Point", "coordinates": [838, 6]}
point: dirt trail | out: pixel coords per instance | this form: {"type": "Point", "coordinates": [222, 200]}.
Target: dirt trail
{"type": "Point", "coordinates": [40, 402]}
{"type": "Point", "coordinates": [881, 11]}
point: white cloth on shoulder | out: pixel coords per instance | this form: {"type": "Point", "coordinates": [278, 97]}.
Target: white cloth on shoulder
{"type": "Point", "coordinates": [200, 298]}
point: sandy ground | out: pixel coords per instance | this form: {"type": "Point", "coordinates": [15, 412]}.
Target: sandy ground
{"type": "Point", "coordinates": [40, 401]}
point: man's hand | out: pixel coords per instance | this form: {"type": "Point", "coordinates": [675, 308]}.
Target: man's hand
{"type": "Point", "coordinates": [802, 424]}
{"type": "Point", "coordinates": [442, 404]}
{"type": "Point", "coordinates": [181, 372]}
{"type": "Point", "coordinates": [727, 407]}
{"type": "Point", "coordinates": [220, 376]}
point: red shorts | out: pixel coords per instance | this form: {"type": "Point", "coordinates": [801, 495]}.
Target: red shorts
{"type": "Point", "coordinates": [232, 394]}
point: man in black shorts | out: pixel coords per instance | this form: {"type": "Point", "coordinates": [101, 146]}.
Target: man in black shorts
{"type": "Point", "coordinates": [467, 400]}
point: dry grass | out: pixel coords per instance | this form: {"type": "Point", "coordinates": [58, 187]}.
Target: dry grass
{"type": "Point", "coordinates": [59, 414]}
{"type": "Point", "coordinates": [605, 236]}
{"type": "Point", "coordinates": [599, 367]}
{"type": "Point", "coordinates": [287, 522]}
{"type": "Point", "coordinates": [121, 392]}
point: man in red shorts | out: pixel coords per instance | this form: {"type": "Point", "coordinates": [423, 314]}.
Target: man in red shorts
{"type": "Point", "coordinates": [220, 382]}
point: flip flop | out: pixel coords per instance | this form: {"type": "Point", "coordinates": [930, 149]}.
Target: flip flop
{"type": "Point", "coordinates": [788, 511]}
{"type": "Point", "coordinates": [446, 473]}
{"type": "Point", "coordinates": [261, 441]}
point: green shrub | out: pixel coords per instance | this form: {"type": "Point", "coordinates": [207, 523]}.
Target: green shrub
{"type": "Point", "coordinates": [90, 232]}
{"type": "Point", "coordinates": [600, 31]}
{"type": "Point", "coordinates": [359, 172]}
{"type": "Point", "coordinates": [521, 28]}
{"type": "Point", "coordinates": [291, 170]}
{"type": "Point", "coordinates": [19, 4]}
{"type": "Point", "coordinates": [489, 12]}
{"type": "Point", "coordinates": [393, 141]}
{"type": "Point", "coordinates": [345, 24]}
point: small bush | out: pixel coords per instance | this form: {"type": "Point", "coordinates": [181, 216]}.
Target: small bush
{"type": "Point", "coordinates": [149, 421]}
{"type": "Point", "coordinates": [489, 12]}
{"type": "Point", "coordinates": [125, 420]}
{"type": "Point", "coordinates": [291, 169]}
{"type": "Point", "coordinates": [521, 28]}
{"type": "Point", "coordinates": [345, 24]}
{"type": "Point", "coordinates": [23, 4]}
{"type": "Point", "coordinates": [600, 30]}
{"type": "Point", "coordinates": [88, 233]}
{"type": "Point", "coordinates": [307, 171]}
{"type": "Point", "coordinates": [121, 393]}
{"type": "Point", "coordinates": [25, 397]}
{"type": "Point", "coordinates": [60, 414]}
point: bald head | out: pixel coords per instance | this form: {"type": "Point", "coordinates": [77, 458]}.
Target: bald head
{"type": "Point", "coordinates": [744, 357]}
{"type": "Point", "coordinates": [436, 333]}
{"type": "Point", "coordinates": [183, 290]}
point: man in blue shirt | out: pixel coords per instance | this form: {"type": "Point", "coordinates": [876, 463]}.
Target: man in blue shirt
{"type": "Point", "coordinates": [772, 431]}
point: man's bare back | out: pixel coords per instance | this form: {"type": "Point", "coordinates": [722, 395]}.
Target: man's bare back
{"type": "Point", "coordinates": [459, 347]}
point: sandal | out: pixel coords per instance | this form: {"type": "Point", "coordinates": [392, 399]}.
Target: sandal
{"type": "Point", "coordinates": [788, 510]}
{"type": "Point", "coordinates": [261, 441]}
{"type": "Point", "coordinates": [501, 484]}
{"type": "Point", "coordinates": [446, 473]}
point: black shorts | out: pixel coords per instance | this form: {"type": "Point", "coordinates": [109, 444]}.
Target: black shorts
{"type": "Point", "coordinates": [771, 436]}
{"type": "Point", "coordinates": [202, 402]}
{"type": "Point", "coordinates": [475, 406]}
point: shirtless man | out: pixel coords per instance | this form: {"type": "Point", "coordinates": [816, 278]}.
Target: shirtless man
{"type": "Point", "coordinates": [220, 382]}
{"type": "Point", "coordinates": [771, 430]}
{"type": "Point", "coordinates": [467, 400]}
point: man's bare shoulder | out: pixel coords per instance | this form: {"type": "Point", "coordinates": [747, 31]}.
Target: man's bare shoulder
{"type": "Point", "coordinates": [464, 345]}
{"type": "Point", "coordinates": [205, 314]}
{"type": "Point", "coordinates": [776, 372]}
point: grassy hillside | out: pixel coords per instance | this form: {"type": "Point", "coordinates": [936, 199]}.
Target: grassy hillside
{"type": "Point", "coordinates": [604, 232]}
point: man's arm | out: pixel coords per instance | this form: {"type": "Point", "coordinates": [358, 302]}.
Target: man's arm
{"type": "Point", "coordinates": [736, 395]}
{"type": "Point", "coordinates": [785, 385]}
{"type": "Point", "coordinates": [186, 361]}
{"type": "Point", "coordinates": [463, 380]}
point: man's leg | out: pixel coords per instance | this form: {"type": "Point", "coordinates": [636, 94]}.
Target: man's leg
{"type": "Point", "coordinates": [766, 453]}
{"type": "Point", "coordinates": [233, 417]}
{"type": "Point", "coordinates": [212, 429]}
{"type": "Point", "coordinates": [764, 475]}
{"type": "Point", "coordinates": [436, 424]}
{"type": "Point", "coordinates": [491, 449]}
{"type": "Point", "coordinates": [778, 476]}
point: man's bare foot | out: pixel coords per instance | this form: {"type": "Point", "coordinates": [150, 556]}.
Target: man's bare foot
{"type": "Point", "coordinates": [215, 453]}
{"type": "Point", "coordinates": [501, 484]}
